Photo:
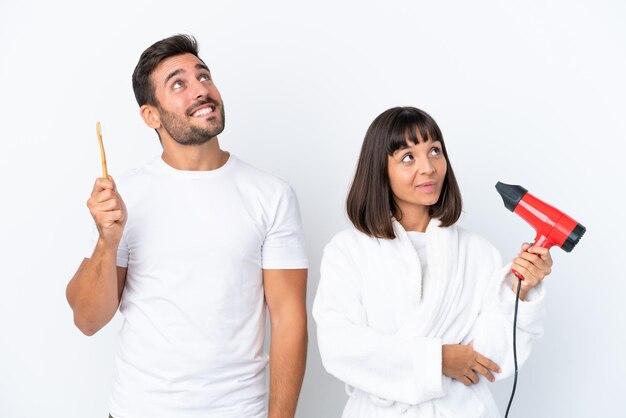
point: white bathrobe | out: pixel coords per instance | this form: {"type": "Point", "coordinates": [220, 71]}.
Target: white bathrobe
{"type": "Point", "coordinates": [381, 325]}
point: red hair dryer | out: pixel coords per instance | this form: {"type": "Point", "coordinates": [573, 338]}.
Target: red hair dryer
{"type": "Point", "coordinates": [553, 227]}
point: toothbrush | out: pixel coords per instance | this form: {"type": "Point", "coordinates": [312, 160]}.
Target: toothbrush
{"type": "Point", "coordinates": [105, 173]}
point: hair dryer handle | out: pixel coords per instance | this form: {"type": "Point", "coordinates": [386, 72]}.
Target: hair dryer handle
{"type": "Point", "coordinates": [540, 241]}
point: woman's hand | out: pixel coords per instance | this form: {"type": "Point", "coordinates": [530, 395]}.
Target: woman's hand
{"type": "Point", "coordinates": [462, 363]}
{"type": "Point", "coordinates": [534, 263]}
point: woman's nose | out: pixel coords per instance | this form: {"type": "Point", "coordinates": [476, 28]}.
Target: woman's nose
{"type": "Point", "coordinates": [426, 166]}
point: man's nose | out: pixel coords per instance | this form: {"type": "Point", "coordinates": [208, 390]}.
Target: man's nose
{"type": "Point", "coordinates": [200, 90]}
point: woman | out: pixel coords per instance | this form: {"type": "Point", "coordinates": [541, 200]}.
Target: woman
{"type": "Point", "coordinates": [414, 313]}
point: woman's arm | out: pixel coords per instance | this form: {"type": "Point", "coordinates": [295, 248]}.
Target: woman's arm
{"type": "Point", "coordinates": [391, 366]}
{"type": "Point", "coordinates": [492, 333]}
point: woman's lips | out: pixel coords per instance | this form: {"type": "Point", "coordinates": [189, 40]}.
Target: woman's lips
{"type": "Point", "coordinates": [427, 187]}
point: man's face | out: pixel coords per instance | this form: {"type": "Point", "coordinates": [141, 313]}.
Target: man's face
{"type": "Point", "coordinates": [190, 106]}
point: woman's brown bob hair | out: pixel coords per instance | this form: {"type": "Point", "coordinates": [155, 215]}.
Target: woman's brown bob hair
{"type": "Point", "coordinates": [371, 203]}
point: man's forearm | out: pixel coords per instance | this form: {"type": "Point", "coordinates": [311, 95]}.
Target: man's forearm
{"type": "Point", "coordinates": [93, 291]}
{"type": "Point", "coordinates": [287, 364]}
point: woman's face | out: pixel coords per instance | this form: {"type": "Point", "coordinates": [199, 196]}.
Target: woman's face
{"type": "Point", "coordinates": [416, 175]}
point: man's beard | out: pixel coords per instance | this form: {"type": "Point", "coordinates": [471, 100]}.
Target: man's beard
{"type": "Point", "coordinates": [184, 133]}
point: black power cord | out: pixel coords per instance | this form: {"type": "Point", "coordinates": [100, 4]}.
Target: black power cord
{"type": "Point", "coordinates": [519, 287]}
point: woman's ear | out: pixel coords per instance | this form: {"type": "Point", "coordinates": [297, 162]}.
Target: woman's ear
{"type": "Point", "coordinates": [150, 116]}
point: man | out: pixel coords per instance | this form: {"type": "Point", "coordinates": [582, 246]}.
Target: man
{"type": "Point", "coordinates": [206, 242]}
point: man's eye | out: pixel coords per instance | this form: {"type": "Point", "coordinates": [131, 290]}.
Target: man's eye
{"type": "Point", "coordinates": [407, 158]}
{"type": "Point", "coordinates": [177, 84]}
{"type": "Point", "coordinates": [204, 77]}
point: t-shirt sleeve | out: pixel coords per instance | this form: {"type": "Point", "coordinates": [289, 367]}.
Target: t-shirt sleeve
{"type": "Point", "coordinates": [122, 249]}
{"type": "Point", "coordinates": [283, 247]}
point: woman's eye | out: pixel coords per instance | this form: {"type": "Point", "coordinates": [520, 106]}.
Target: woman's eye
{"type": "Point", "coordinates": [435, 151]}
{"type": "Point", "coordinates": [407, 158]}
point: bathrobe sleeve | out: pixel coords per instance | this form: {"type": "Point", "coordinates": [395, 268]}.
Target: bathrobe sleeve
{"type": "Point", "coordinates": [492, 332]}
{"type": "Point", "coordinates": [390, 366]}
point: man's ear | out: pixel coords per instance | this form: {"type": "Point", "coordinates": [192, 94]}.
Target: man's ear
{"type": "Point", "coordinates": [150, 116]}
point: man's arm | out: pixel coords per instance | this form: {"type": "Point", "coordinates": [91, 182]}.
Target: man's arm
{"type": "Point", "coordinates": [285, 293]}
{"type": "Point", "coordinates": [95, 291]}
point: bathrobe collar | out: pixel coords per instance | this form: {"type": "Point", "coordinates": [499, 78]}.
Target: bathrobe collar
{"type": "Point", "coordinates": [442, 252]}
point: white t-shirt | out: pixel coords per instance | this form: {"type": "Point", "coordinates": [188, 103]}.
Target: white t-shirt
{"type": "Point", "coordinates": [418, 239]}
{"type": "Point", "coordinates": [195, 244]}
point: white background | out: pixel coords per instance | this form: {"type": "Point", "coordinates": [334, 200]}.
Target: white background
{"type": "Point", "coordinates": [526, 92]}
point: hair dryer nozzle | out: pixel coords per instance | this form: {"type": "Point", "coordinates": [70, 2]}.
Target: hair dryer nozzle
{"type": "Point", "coordinates": [511, 194]}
